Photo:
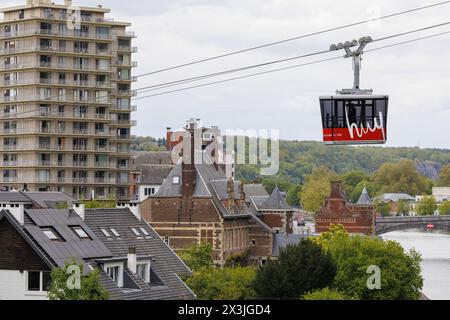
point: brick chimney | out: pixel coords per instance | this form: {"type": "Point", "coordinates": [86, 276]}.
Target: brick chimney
{"type": "Point", "coordinates": [230, 192]}
{"type": "Point", "coordinates": [188, 165]}
{"type": "Point", "coordinates": [169, 139]}
{"type": "Point", "coordinates": [241, 195]}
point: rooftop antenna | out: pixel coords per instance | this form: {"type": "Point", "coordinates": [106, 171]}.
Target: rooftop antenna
{"type": "Point", "coordinates": [356, 55]}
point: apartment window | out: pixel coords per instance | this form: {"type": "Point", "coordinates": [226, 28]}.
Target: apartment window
{"type": "Point", "coordinates": [62, 44]}
{"type": "Point", "coordinates": [81, 46]}
{"type": "Point", "coordinates": [102, 64]}
{"type": "Point", "coordinates": [149, 191]}
{"type": "Point", "coordinates": [38, 281]}
{"type": "Point", "coordinates": [81, 233]}
{"type": "Point", "coordinates": [45, 43]}
{"type": "Point", "coordinates": [102, 48]}
{"type": "Point", "coordinates": [103, 32]}
{"type": "Point", "coordinates": [62, 78]}
{"type": "Point", "coordinates": [43, 175]}
{"type": "Point", "coordinates": [21, 14]}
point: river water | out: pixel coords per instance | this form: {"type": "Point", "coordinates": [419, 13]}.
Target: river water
{"type": "Point", "coordinates": [435, 250]}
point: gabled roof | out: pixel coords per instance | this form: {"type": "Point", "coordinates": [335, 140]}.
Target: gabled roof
{"type": "Point", "coordinates": [365, 198]}
{"type": "Point", "coordinates": [395, 197]}
{"type": "Point", "coordinates": [210, 183]}
{"type": "Point", "coordinates": [254, 190]}
{"type": "Point", "coordinates": [275, 201]}
{"type": "Point", "coordinates": [165, 263]}
{"type": "Point", "coordinates": [71, 247]}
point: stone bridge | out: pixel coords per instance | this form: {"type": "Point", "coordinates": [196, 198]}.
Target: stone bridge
{"type": "Point", "coordinates": [389, 224]}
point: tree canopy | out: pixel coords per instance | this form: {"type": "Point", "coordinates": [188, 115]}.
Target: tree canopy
{"type": "Point", "coordinates": [64, 284]}
{"type": "Point", "coordinates": [299, 269]}
{"type": "Point", "coordinates": [198, 257]}
{"type": "Point", "coordinates": [355, 256]}
{"type": "Point", "coordinates": [317, 188]}
{"type": "Point", "coordinates": [444, 177]}
{"type": "Point", "coordinates": [427, 206]}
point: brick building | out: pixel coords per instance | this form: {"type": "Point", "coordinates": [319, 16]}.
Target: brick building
{"type": "Point", "coordinates": [357, 218]}
{"type": "Point", "coordinates": [198, 203]}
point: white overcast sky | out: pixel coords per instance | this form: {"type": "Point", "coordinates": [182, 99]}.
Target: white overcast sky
{"type": "Point", "coordinates": [171, 32]}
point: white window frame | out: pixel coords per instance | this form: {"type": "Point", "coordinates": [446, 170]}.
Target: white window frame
{"type": "Point", "coordinates": [147, 266]}
{"type": "Point", "coordinates": [41, 291]}
{"type": "Point", "coordinates": [107, 266]}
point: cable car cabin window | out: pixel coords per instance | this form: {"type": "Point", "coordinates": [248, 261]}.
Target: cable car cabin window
{"type": "Point", "coordinates": [354, 119]}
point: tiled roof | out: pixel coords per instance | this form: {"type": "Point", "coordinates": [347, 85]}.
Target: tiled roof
{"type": "Point", "coordinates": [154, 174]}
{"type": "Point", "coordinates": [165, 262]}
{"type": "Point", "coordinates": [155, 158]}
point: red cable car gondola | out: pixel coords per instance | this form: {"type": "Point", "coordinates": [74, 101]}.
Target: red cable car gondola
{"type": "Point", "coordinates": [354, 116]}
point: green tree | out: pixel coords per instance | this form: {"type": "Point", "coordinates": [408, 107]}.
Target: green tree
{"type": "Point", "coordinates": [427, 206]}
{"type": "Point", "coordinates": [223, 284]}
{"type": "Point", "coordinates": [317, 188]}
{"type": "Point", "coordinates": [444, 177]}
{"type": "Point", "coordinates": [401, 177]}
{"type": "Point", "coordinates": [299, 269]}
{"type": "Point", "coordinates": [382, 207]}
{"type": "Point", "coordinates": [400, 271]}
{"type": "Point", "coordinates": [326, 294]}
{"type": "Point", "coordinates": [90, 287]}
{"type": "Point", "coordinates": [444, 208]}
{"type": "Point", "coordinates": [351, 180]}
{"type": "Point", "coordinates": [198, 257]}
{"type": "Point", "coordinates": [293, 195]}
{"type": "Point", "coordinates": [403, 207]}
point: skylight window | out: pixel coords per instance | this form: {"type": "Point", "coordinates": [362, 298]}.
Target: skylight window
{"type": "Point", "coordinates": [81, 233]}
{"type": "Point", "coordinates": [114, 232]}
{"type": "Point", "coordinates": [135, 231]}
{"type": "Point", "coordinates": [144, 232]}
{"type": "Point", "coordinates": [106, 233]}
{"type": "Point", "coordinates": [51, 234]}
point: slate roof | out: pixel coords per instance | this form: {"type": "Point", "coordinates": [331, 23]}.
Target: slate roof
{"type": "Point", "coordinates": [281, 241]}
{"type": "Point", "coordinates": [155, 158]}
{"type": "Point", "coordinates": [166, 267]}
{"type": "Point", "coordinates": [275, 201]}
{"type": "Point", "coordinates": [396, 197]}
{"type": "Point", "coordinates": [165, 263]}
{"type": "Point", "coordinates": [72, 247]}
{"type": "Point", "coordinates": [49, 199]}
{"type": "Point", "coordinates": [13, 197]}
{"type": "Point", "coordinates": [210, 183]}
{"type": "Point", "coordinates": [365, 198]}
{"type": "Point", "coordinates": [254, 190]}
{"type": "Point", "coordinates": [154, 174]}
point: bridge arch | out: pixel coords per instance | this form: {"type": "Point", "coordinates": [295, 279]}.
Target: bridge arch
{"type": "Point", "coordinates": [386, 225]}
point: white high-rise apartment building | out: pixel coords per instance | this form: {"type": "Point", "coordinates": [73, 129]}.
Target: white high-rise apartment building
{"type": "Point", "coordinates": [65, 111]}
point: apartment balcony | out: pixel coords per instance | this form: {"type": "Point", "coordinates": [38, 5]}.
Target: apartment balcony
{"type": "Point", "coordinates": [81, 164]}
{"type": "Point", "coordinates": [10, 131]}
{"type": "Point", "coordinates": [80, 180]}
{"type": "Point", "coordinates": [124, 92]}
{"type": "Point", "coordinates": [9, 179]}
{"type": "Point", "coordinates": [9, 163]}
{"type": "Point", "coordinates": [127, 48]}
{"type": "Point", "coordinates": [124, 108]}
{"type": "Point", "coordinates": [130, 64]}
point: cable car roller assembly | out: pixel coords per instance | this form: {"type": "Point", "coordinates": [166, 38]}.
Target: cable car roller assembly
{"type": "Point", "coordinates": [354, 116]}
